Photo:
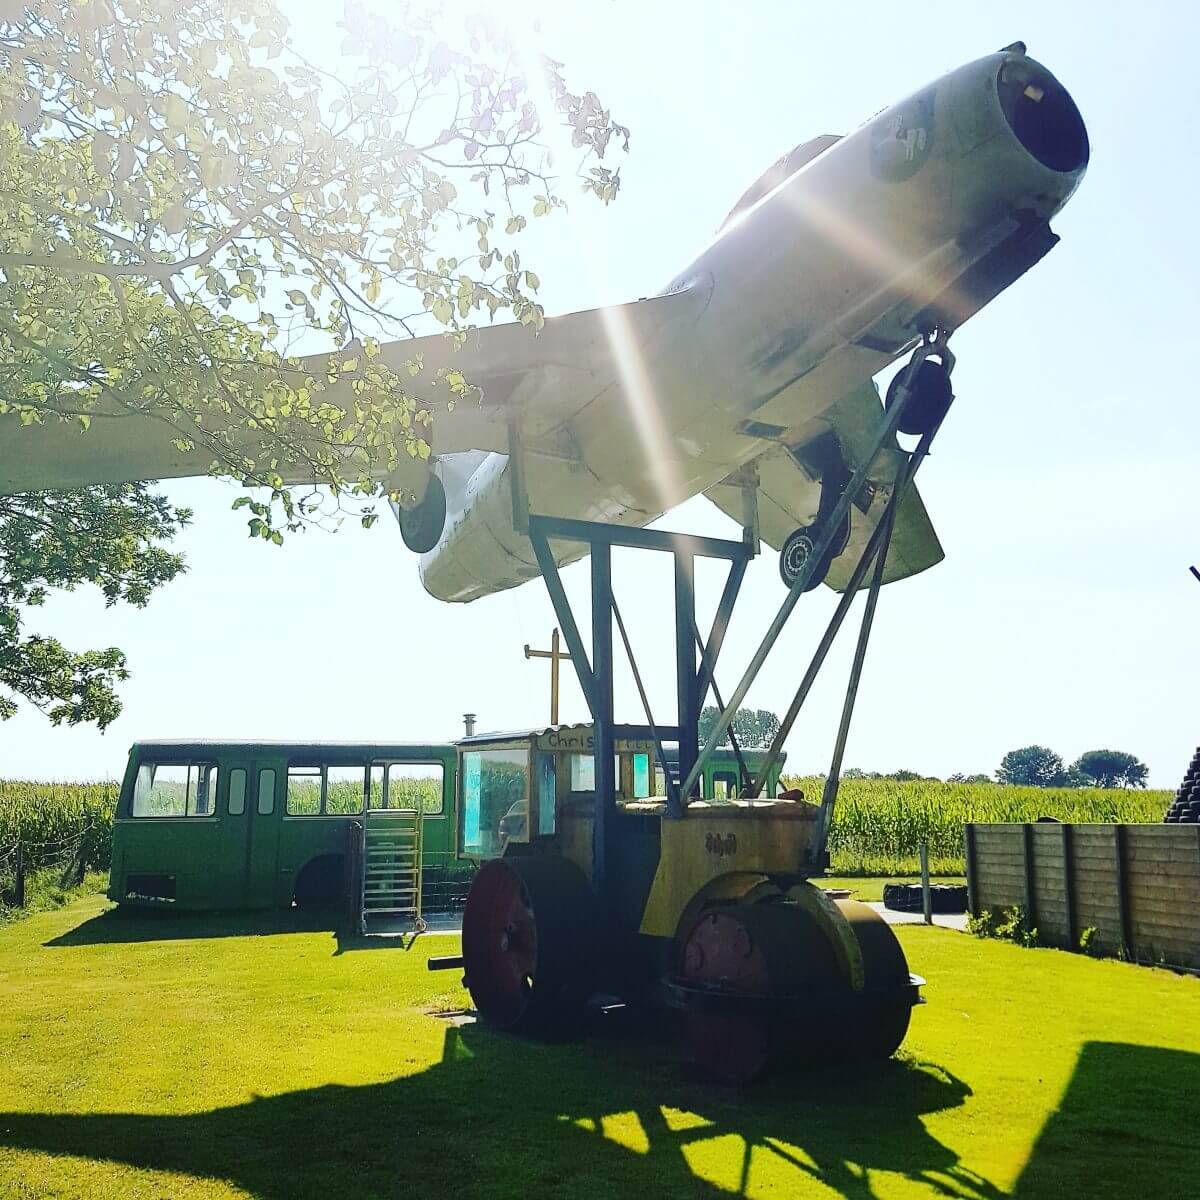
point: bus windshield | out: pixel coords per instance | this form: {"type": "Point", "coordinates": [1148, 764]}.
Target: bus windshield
{"type": "Point", "coordinates": [175, 790]}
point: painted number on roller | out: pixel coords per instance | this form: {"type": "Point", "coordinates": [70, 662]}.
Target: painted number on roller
{"type": "Point", "coordinates": [714, 843]}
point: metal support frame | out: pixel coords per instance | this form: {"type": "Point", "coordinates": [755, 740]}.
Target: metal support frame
{"type": "Point", "coordinates": [693, 679]}
{"type": "Point", "coordinates": [885, 435]}
{"type": "Point", "coordinates": [834, 778]}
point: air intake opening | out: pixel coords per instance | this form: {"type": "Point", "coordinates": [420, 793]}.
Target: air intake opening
{"type": "Point", "coordinates": [1042, 115]}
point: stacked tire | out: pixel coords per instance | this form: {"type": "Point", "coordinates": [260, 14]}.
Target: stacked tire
{"type": "Point", "coordinates": [944, 897]}
{"type": "Point", "coordinates": [1185, 808]}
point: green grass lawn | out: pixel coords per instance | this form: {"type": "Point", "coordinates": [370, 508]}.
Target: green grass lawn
{"type": "Point", "coordinates": [199, 1058]}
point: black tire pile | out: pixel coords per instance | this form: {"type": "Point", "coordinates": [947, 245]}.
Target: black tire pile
{"type": "Point", "coordinates": [1185, 808]}
{"type": "Point", "coordinates": [944, 897]}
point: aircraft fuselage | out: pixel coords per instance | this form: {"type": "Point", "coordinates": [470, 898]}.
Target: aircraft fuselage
{"type": "Point", "coordinates": [914, 220]}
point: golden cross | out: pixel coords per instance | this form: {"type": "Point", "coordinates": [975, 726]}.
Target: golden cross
{"type": "Point", "coordinates": [555, 655]}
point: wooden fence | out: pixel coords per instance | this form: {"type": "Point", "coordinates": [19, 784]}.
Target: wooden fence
{"type": "Point", "coordinates": [1137, 887]}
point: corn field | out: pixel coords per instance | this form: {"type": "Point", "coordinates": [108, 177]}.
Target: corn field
{"type": "Point", "coordinates": [49, 813]}
{"type": "Point", "coordinates": [879, 824]}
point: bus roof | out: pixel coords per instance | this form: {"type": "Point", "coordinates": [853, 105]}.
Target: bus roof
{"type": "Point", "coordinates": [374, 749]}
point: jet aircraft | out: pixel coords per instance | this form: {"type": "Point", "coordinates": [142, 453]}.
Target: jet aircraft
{"type": "Point", "coordinates": [749, 378]}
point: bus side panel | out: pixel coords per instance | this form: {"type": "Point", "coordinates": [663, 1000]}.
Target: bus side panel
{"type": "Point", "coordinates": [168, 860]}
{"type": "Point", "coordinates": [302, 839]}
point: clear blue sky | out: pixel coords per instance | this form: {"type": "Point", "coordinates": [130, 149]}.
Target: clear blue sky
{"type": "Point", "coordinates": [1062, 486]}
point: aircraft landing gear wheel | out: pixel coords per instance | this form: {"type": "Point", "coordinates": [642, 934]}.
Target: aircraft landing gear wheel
{"type": "Point", "coordinates": [930, 402]}
{"type": "Point", "coordinates": [798, 549]}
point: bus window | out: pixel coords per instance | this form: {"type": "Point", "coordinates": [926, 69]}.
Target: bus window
{"type": "Point", "coordinates": [343, 790]}
{"type": "Point", "coordinates": [495, 803]}
{"type": "Point", "coordinates": [416, 786]}
{"type": "Point", "coordinates": [303, 791]}
{"type": "Point", "coordinates": [174, 790]}
{"type": "Point", "coordinates": [237, 791]}
{"type": "Point", "coordinates": [724, 785]}
{"type": "Point", "coordinates": [375, 796]}
{"type": "Point", "coordinates": [266, 792]}
{"type": "Point", "coordinates": [206, 793]}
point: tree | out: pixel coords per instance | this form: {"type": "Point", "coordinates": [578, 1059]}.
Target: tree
{"type": "Point", "coordinates": [959, 777]}
{"type": "Point", "coordinates": [187, 202]}
{"type": "Point", "coordinates": [751, 727]}
{"type": "Point", "coordinates": [1034, 766]}
{"type": "Point", "coordinates": [106, 536]}
{"type": "Point", "coordinates": [768, 726]}
{"type": "Point", "coordinates": [1111, 769]}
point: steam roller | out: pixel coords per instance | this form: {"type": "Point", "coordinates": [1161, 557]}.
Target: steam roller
{"type": "Point", "coordinates": [707, 915]}
{"type": "Point", "coordinates": [612, 872]}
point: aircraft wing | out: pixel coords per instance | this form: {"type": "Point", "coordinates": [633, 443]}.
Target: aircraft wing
{"type": "Point", "coordinates": [789, 491]}
{"type": "Point", "coordinates": [539, 380]}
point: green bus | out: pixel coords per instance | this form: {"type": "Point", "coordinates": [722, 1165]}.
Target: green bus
{"type": "Point", "coordinates": [208, 825]}
{"type": "Point", "coordinates": [205, 825]}
{"type": "Point", "coordinates": [720, 779]}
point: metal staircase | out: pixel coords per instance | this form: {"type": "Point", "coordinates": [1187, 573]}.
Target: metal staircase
{"type": "Point", "coordinates": [390, 871]}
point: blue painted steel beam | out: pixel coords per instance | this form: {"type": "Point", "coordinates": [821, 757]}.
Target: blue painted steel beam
{"type": "Point", "coordinates": [562, 610]}
{"type": "Point", "coordinates": [595, 534]}
{"type": "Point", "coordinates": [685, 673]}
{"type": "Point", "coordinates": [716, 638]}
{"type": "Point", "coordinates": [604, 829]}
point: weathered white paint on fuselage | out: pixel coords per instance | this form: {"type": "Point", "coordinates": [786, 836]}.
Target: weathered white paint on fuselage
{"type": "Point", "coordinates": [834, 254]}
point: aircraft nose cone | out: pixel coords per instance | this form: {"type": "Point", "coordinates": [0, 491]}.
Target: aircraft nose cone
{"type": "Point", "coordinates": [1042, 115]}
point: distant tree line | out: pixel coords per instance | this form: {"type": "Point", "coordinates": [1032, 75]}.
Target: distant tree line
{"type": "Point", "coordinates": [1038, 766]}
{"type": "Point", "coordinates": [752, 727]}
{"type": "Point", "coordinates": [1030, 766]}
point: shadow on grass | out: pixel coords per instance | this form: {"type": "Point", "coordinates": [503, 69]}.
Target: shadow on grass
{"type": "Point", "coordinates": [500, 1117]}
{"type": "Point", "coordinates": [116, 925]}
{"type": "Point", "coordinates": [1125, 1127]}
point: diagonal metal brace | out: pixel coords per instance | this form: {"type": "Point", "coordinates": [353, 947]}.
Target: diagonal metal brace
{"type": "Point", "coordinates": [562, 609]}
{"type": "Point", "coordinates": [887, 430]}
{"type": "Point", "coordinates": [834, 778]}
{"type": "Point", "coordinates": [876, 545]}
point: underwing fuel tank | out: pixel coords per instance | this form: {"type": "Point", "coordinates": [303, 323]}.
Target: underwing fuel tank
{"type": "Point", "coordinates": [813, 286]}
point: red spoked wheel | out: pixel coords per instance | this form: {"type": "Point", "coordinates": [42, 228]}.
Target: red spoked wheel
{"type": "Point", "coordinates": [529, 943]}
